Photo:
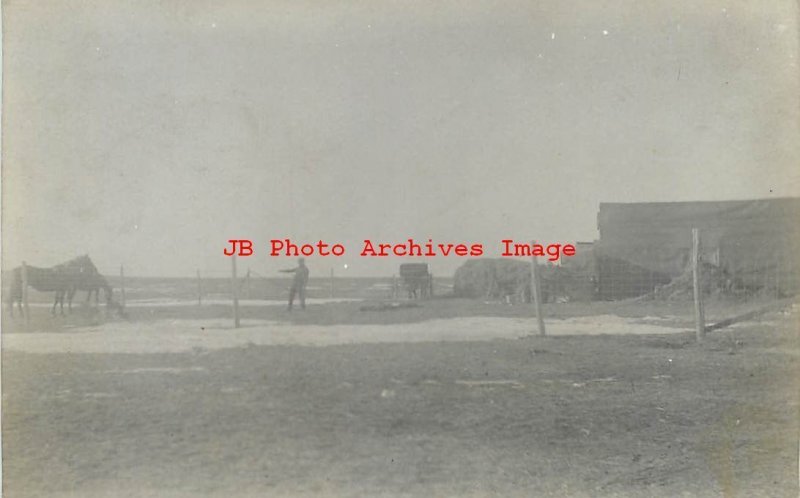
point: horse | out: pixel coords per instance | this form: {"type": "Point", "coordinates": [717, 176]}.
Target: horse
{"type": "Point", "coordinates": [91, 283]}
{"type": "Point", "coordinates": [58, 279]}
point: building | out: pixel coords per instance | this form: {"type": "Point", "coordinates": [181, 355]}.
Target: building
{"type": "Point", "coordinates": [642, 245]}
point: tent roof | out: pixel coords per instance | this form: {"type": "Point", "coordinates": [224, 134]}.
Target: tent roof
{"type": "Point", "coordinates": [636, 219]}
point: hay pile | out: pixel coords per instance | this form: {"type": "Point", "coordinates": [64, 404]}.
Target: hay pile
{"type": "Point", "coordinates": [713, 281]}
{"type": "Point", "coordinates": [497, 278]}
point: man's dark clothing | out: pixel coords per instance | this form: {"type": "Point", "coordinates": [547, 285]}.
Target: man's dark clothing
{"type": "Point", "coordinates": [298, 285]}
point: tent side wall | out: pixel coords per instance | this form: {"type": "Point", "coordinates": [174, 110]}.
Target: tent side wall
{"type": "Point", "coordinates": [644, 245]}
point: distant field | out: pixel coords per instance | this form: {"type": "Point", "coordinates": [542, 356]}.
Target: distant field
{"type": "Point", "coordinates": [254, 288]}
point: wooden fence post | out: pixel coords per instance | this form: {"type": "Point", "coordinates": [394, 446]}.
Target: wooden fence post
{"type": "Point", "coordinates": [699, 315]}
{"type": "Point", "coordinates": [199, 289]}
{"type": "Point", "coordinates": [122, 284]}
{"type": "Point", "coordinates": [247, 285]}
{"type": "Point", "coordinates": [537, 294]}
{"type": "Point", "coordinates": [235, 291]}
{"type": "Point", "coordinates": [24, 296]}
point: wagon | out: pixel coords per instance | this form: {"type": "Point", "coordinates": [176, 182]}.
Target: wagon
{"type": "Point", "coordinates": [417, 280]}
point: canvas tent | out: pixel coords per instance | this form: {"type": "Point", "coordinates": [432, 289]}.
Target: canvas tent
{"type": "Point", "coordinates": [643, 245]}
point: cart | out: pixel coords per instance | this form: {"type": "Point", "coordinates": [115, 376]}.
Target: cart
{"type": "Point", "coordinates": [416, 279]}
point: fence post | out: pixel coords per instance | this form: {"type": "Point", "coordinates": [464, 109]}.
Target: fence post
{"type": "Point", "coordinates": [699, 315]}
{"type": "Point", "coordinates": [235, 291]}
{"type": "Point", "coordinates": [199, 289]}
{"type": "Point", "coordinates": [537, 294]}
{"type": "Point", "coordinates": [24, 295]}
{"type": "Point", "coordinates": [122, 284]}
{"type": "Point", "coordinates": [247, 285]}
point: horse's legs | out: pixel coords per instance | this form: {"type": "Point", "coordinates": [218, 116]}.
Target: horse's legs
{"type": "Point", "coordinates": [70, 295]}
{"type": "Point", "coordinates": [10, 302]}
{"type": "Point", "coordinates": [59, 300]}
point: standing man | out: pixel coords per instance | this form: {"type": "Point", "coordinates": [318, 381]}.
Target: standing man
{"type": "Point", "coordinates": [298, 283]}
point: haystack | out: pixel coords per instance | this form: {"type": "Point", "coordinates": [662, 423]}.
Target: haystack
{"type": "Point", "coordinates": [713, 281]}
{"type": "Point", "coordinates": [493, 279]}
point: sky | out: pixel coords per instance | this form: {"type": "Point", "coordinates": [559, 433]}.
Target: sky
{"type": "Point", "coordinates": [148, 134]}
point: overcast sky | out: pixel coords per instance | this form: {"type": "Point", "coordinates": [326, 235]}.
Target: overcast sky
{"type": "Point", "coordinates": [149, 133]}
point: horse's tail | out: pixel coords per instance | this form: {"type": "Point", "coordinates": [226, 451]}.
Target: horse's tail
{"type": "Point", "coordinates": [14, 290]}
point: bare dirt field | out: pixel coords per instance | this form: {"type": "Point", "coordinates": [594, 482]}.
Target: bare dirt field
{"type": "Point", "coordinates": [478, 407]}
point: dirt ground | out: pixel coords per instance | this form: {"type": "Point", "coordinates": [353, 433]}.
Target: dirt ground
{"type": "Point", "coordinates": [611, 415]}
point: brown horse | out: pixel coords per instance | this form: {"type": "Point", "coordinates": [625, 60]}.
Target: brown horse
{"type": "Point", "coordinates": [91, 283]}
{"type": "Point", "coordinates": [58, 279]}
